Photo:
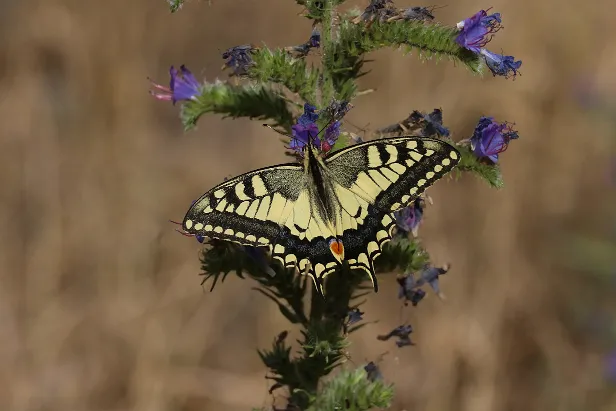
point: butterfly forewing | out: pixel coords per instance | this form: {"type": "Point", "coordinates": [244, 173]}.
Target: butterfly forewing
{"type": "Point", "coordinates": [251, 209]}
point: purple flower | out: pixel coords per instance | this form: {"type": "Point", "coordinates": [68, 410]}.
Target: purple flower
{"type": "Point", "coordinates": [475, 32]}
{"type": "Point", "coordinates": [491, 138]}
{"type": "Point", "coordinates": [373, 372]}
{"type": "Point", "coordinates": [302, 134]}
{"type": "Point", "coordinates": [305, 130]}
{"type": "Point", "coordinates": [408, 289]}
{"type": "Point", "coordinates": [408, 218]}
{"type": "Point", "coordinates": [355, 316]}
{"type": "Point", "coordinates": [501, 65]}
{"type": "Point", "coordinates": [430, 274]}
{"type": "Point", "coordinates": [303, 49]}
{"type": "Point", "coordinates": [182, 86]}
{"type": "Point", "coordinates": [332, 132]}
{"type": "Point", "coordinates": [402, 333]}
{"type": "Point", "coordinates": [432, 124]}
{"type": "Point", "coordinates": [309, 115]}
{"type": "Point", "coordinates": [239, 59]}
{"type": "Point", "coordinates": [315, 38]}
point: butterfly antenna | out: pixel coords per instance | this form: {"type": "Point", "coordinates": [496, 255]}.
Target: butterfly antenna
{"type": "Point", "coordinates": [280, 132]}
{"type": "Point", "coordinates": [184, 233]}
{"type": "Point", "coordinates": [329, 123]}
{"type": "Point", "coordinates": [277, 131]}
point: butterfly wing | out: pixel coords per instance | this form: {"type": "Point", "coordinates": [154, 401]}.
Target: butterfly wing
{"type": "Point", "coordinates": [252, 208]}
{"type": "Point", "coordinates": [374, 179]}
{"type": "Point", "coordinates": [274, 207]}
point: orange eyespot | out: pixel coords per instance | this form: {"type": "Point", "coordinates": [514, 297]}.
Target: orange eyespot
{"type": "Point", "coordinates": [336, 247]}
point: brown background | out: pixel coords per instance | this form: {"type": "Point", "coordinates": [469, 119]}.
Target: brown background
{"type": "Point", "coordinates": [100, 303]}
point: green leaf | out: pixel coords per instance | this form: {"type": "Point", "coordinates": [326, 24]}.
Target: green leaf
{"type": "Point", "coordinates": [250, 101]}
{"type": "Point", "coordinates": [278, 66]}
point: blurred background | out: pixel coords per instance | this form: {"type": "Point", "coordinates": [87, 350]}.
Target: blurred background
{"type": "Point", "coordinates": [100, 302]}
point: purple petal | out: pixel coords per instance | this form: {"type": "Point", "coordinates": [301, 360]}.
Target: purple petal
{"type": "Point", "coordinates": [501, 65]}
{"type": "Point", "coordinates": [474, 30]}
{"type": "Point", "coordinates": [183, 84]}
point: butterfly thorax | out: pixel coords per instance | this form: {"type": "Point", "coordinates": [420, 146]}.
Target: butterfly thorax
{"type": "Point", "coordinates": [323, 197]}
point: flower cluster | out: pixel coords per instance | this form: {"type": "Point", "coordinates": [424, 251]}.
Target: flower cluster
{"type": "Point", "coordinates": [306, 131]}
{"type": "Point", "coordinates": [475, 32]}
{"type": "Point", "coordinates": [239, 59]}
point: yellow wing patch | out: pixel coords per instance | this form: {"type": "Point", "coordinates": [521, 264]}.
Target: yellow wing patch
{"type": "Point", "coordinates": [225, 212]}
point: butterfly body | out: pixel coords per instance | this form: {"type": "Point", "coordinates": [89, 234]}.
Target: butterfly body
{"type": "Point", "coordinates": [325, 211]}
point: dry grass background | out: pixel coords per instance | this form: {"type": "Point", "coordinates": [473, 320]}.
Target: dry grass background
{"type": "Point", "coordinates": [100, 304]}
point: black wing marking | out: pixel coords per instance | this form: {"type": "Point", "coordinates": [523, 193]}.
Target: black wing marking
{"type": "Point", "coordinates": [249, 209]}
{"type": "Point", "coordinates": [390, 173]}
{"type": "Point", "coordinates": [274, 207]}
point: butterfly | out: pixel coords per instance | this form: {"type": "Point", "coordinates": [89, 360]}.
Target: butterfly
{"type": "Point", "coordinates": [328, 209]}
